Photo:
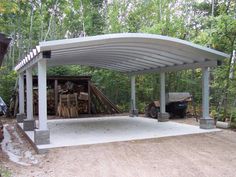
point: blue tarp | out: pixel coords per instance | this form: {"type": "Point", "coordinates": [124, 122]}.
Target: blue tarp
{"type": "Point", "coordinates": [3, 106]}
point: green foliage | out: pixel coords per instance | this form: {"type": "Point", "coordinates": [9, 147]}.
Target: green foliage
{"type": "Point", "coordinates": [224, 34]}
{"type": "Point", "coordinates": [59, 71]}
{"type": "Point", "coordinates": [233, 114]}
{"type": "Point", "coordinates": [29, 22]}
{"type": "Point", "coordinates": [7, 83]}
{"type": "Point", "coordinates": [4, 172]}
{"type": "Point", "coordinates": [7, 7]}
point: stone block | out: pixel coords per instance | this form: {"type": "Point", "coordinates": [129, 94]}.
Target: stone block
{"type": "Point", "coordinates": [28, 125]}
{"type": "Point", "coordinates": [20, 117]}
{"type": "Point", "coordinates": [41, 137]}
{"type": "Point", "coordinates": [207, 123]}
{"type": "Point", "coordinates": [163, 117]}
{"type": "Point", "coordinates": [133, 113]}
{"type": "Point", "coordinates": [224, 125]}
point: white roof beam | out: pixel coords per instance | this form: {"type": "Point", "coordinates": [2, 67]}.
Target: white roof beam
{"type": "Point", "coordinates": [148, 54]}
{"type": "Point", "coordinates": [31, 55]}
{"type": "Point", "coordinates": [139, 57]}
{"type": "Point", "coordinates": [127, 60]}
{"type": "Point", "coordinates": [150, 50]}
{"type": "Point", "coordinates": [138, 54]}
{"type": "Point", "coordinates": [34, 52]}
{"type": "Point", "coordinates": [108, 62]}
{"type": "Point", "coordinates": [177, 68]}
{"type": "Point", "coordinates": [38, 49]}
{"type": "Point", "coordinates": [104, 66]}
{"type": "Point", "coordinates": [131, 52]}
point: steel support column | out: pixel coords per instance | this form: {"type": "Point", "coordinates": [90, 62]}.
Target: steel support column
{"type": "Point", "coordinates": [163, 116]}
{"type": "Point", "coordinates": [21, 94]}
{"type": "Point", "coordinates": [206, 122]}
{"type": "Point", "coordinates": [42, 94]}
{"type": "Point", "coordinates": [42, 135]}
{"type": "Point", "coordinates": [133, 111]}
{"type": "Point", "coordinates": [29, 94]}
{"type": "Point", "coordinates": [21, 115]}
{"type": "Point", "coordinates": [29, 123]}
{"type": "Point", "coordinates": [162, 93]}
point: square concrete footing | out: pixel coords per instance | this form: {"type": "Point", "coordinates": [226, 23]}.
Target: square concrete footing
{"type": "Point", "coordinates": [133, 112]}
{"type": "Point", "coordinates": [20, 117]}
{"type": "Point", "coordinates": [207, 123]}
{"type": "Point", "coordinates": [163, 117]}
{"type": "Point", "coordinates": [41, 137]}
{"type": "Point", "coordinates": [28, 125]}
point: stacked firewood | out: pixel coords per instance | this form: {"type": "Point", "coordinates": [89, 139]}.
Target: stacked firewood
{"type": "Point", "coordinates": [71, 105]}
{"type": "Point", "coordinates": [51, 101]}
{"type": "Point", "coordinates": [71, 99]}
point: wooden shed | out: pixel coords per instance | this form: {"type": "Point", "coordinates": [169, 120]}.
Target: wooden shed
{"type": "Point", "coordinates": [72, 96]}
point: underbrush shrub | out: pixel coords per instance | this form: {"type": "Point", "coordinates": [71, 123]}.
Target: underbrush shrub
{"type": "Point", "coordinates": [7, 83]}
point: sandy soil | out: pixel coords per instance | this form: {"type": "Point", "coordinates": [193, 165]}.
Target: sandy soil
{"type": "Point", "coordinates": [205, 155]}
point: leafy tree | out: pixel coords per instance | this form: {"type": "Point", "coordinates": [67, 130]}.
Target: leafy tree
{"type": "Point", "coordinates": [7, 83]}
{"type": "Point", "coordinates": [28, 22]}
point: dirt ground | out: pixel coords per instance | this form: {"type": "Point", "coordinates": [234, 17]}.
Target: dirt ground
{"type": "Point", "coordinates": [205, 155]}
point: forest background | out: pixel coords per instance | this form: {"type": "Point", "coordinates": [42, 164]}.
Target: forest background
{"type": "Point", "coordinates": [210, 23]}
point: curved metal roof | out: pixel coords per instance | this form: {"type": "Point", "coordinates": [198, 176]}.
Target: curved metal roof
{"type": "Point", "coordinates": [127, 52]}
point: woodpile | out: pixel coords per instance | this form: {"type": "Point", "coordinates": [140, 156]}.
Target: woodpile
{"type": "Point", "coordinates": [73, 100]}
{"type": "Point", "coordinates": [68, 105]}
{"type": "Point", "coordinates": [70, 97]}
{"type": "Point", "coordinates": [72, 105]}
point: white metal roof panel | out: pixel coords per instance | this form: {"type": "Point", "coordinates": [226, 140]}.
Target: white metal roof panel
{"type": "Point", "coordinates": [130, 53]}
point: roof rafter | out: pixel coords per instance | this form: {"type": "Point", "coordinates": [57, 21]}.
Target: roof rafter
{"type": "Point", "coordinates": [125, 52]}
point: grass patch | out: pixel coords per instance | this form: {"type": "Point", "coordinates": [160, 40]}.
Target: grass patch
{"type": "Point", "coordinates": [4, 172]}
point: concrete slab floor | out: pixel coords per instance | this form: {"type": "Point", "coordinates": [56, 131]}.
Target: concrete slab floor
{"type": "Point", "coordinates": [84, 131]}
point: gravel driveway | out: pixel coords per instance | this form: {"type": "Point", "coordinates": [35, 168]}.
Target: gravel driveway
{"type": "Point", "coordinates": [209, 155]}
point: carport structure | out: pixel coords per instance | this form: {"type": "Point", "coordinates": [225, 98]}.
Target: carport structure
{"type": "Point", "coordinates": [129, 53]}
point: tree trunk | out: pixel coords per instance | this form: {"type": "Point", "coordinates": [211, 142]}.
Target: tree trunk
{"type": "Point", "coordinates": [227, 84]}
{"type": "Point", "coordinates": [31, 26]}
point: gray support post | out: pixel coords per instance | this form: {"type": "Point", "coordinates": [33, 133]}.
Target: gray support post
{"type": "Point", "coordinates": [42, 135]}
{"type": "Point", "coordinates": [206, 122]}
{"type": "Point", "coordinates": [21, 115]}
{"type": "Point", "coordinates": [163, 115]}
{"type": "Point", "coordinates": [29, 123]}
{"type": "Point", "coordinates": [162, 93]}
{"type": "Point", "coordinates": [133, 110]}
